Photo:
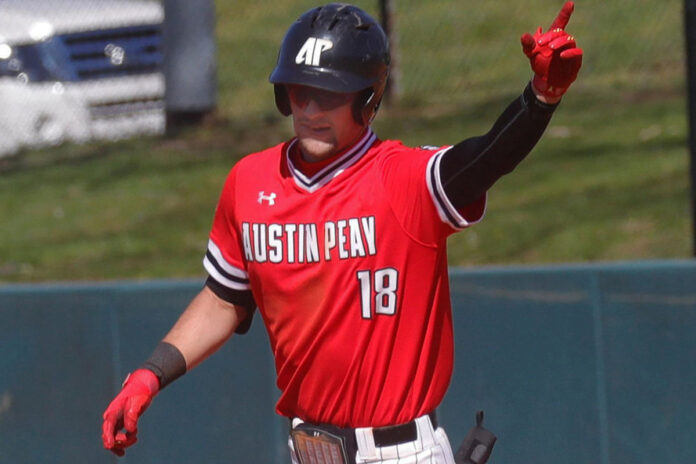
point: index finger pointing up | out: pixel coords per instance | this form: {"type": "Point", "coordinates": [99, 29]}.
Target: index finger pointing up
{"type": "Point", "coordinates": [563, 17]}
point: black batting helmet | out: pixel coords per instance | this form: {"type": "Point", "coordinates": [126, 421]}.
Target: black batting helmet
{"type": "Point", "coordinates": [336, 47]}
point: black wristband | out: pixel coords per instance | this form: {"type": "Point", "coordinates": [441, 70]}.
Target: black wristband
{"type": "Point", "coordinates": [166, 362]}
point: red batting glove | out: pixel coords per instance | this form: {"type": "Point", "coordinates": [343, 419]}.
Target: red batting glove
{"type": "Point", "coordinates": [554, 56]}
{"type": "Point", "coordinates": [138, 390]}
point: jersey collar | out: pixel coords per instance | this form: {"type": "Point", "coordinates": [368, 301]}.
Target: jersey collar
{"type": "Point", "coordinates": [335, 168]}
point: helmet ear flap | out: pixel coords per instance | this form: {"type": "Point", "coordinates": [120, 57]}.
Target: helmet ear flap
{"type": "Point", "coordinates": [368, 101]}
{"type": "Point", "coordinates": [360, 105]}
{"type": "Point", "coordinates": [282, 100]}
{"type": "Point", "coordinates": [366, 105]}
{"type": "Point", "coordinates": [371, 107]}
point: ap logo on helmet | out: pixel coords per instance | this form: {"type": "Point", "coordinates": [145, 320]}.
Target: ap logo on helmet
{"type": "Point", "coordinates": [311, 51]}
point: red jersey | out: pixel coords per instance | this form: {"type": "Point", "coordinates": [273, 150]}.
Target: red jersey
{"type": "Point", "coordinates": [348, 268]}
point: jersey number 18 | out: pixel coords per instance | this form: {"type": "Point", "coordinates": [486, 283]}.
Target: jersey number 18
{"type": "Point", "coordinates": [379, 287]}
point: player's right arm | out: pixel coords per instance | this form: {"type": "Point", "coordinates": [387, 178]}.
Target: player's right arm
{"type": "Point", "coordinates": [206, 324]}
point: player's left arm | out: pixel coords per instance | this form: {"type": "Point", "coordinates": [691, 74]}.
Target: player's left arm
{"type": "Point", "coordinates": [472, 166]}
{"type": "Point", "coordinates": [206, 324]}
{"type": "Point", "coordinates": [554, 56]}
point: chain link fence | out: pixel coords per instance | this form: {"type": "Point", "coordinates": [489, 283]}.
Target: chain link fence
{"type": "Point", "coordinates": [74, 70]}
{"type": "Point", "coordinates": [474, 47]}
{"type": "Point", "coordinates": [78, 70]}
{"type": "Point", "coordinates": [450, 52]}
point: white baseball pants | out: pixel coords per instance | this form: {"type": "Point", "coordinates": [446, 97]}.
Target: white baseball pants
{"type": "Point", "coordinates": [431, 447]}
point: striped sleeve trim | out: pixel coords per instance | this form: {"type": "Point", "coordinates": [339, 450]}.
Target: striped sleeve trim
{"type": "Point", "coordinates": [222, 271]}
{"type": "Point", "coordinates": [445, 209]}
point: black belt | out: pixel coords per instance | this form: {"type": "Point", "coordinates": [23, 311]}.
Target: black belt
{"type": "Point", "coordinates": [385, 436]}
{"type": "Point", "coordinates": [396, 434]}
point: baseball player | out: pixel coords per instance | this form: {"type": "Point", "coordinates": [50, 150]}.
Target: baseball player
{"type": "Point", "coordinates": [338, 238]}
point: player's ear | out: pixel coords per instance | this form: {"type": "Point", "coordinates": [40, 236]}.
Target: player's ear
{"type": "Point", "coordinates": [282, 100]}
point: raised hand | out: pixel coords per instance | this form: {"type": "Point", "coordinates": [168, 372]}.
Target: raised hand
{"type": "Point", "coordinates": [554, 56]}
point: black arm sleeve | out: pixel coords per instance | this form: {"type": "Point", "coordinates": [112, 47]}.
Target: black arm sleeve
{"type": "Point", "coordinates": [472, 166]}
{"type": "Point", "coordinates": [239, 298]}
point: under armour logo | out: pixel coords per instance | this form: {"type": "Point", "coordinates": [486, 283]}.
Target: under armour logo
{"type": "Point", "coordinates": [269, 198]}
{"type": "Point", "coordinates": [311, 51]}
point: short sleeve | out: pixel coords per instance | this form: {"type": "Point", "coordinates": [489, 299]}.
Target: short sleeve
{"type": "Point", "coordinates": [224, 258]}
{"type": "Point", "coordinates": [411, 179]}
{"type": "Point", "coordinates": [456, 218]}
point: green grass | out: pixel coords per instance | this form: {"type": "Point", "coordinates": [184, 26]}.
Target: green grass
{"type": "Point", "coordinates": [609, 181]}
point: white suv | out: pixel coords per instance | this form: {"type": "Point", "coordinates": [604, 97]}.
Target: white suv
{"type": "Point", "coordinates": [75, 70]}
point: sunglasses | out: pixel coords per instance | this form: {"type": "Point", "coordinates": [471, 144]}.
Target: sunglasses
{"type": "Point", "coordinates": [301, 95]}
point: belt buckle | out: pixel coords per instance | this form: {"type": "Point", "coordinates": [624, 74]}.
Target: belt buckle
{"type": "Point", "coordinates": [314, 445]}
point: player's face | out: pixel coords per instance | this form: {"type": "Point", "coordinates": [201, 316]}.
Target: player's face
{"type": "Point", "coordinates": [323, 121]}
